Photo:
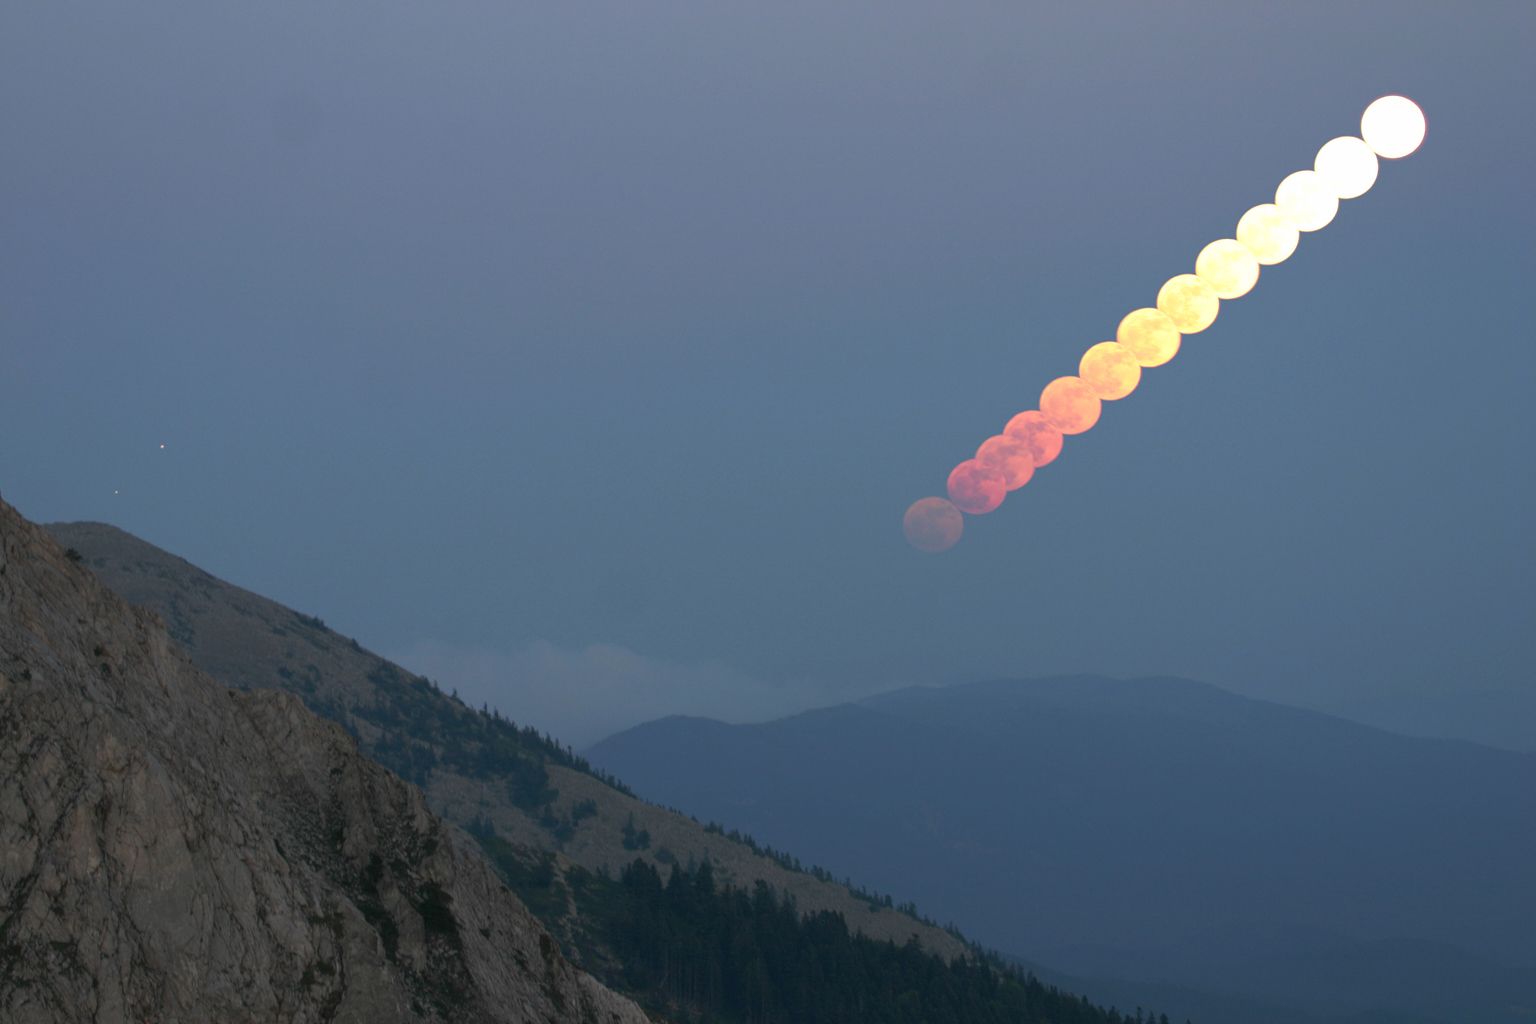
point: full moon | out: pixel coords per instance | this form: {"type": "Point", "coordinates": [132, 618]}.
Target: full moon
{"type": "Point", "coordinates": [1228, 267]}
{"type": "Point", "coordinates": [1347, 165]}
{"type": "Point", "coordinates": [1269, 234]}
{"type": "Point", "coordinates": [976, 488]}
{"type": "Point", "coordinates": [1393, 126]}
{"type": "Point", "coordinates": [1070, 405]}
{"type": "Point", "coordinates": [1042, 439]}
{"type": "Point", "coordinates": [1010, 457]}
{"type": "Point", "coordinates": [1110, 370]}
{"type": "Point", "coordinates": [1149, 335]}
{"type": "Point", "coordinates": [933, 525]}
{"type": "Point", "coordinates": [1308, 199]}
{"type": "Point", "coordinates": [1189, 302]}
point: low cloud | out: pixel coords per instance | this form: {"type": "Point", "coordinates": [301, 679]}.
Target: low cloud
{"type": "Point", "coordinates": [582, 696]}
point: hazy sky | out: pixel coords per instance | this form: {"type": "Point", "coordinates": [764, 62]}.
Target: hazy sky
{"type": "Point", "coordinates": [547, 338]}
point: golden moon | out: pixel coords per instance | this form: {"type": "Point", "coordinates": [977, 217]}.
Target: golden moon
{"type": "Point", "coordinates": [1228, 267]}
{"type": "Point", "coordinates": [1308, 199]}
{"type": "Point", "coordinates": [932, 525]}
{"type": "Point", "coordinates": [1149, 335]}
{"type": "Point", "coordinates": [1392, 126]}
{"type": "Point", "coordinates": [1042, 439]}
{"type": "Point", "coordinates": [1347, 165]}
{"type": "Point", "coordinates": [975, 488]}
{"type": "Point", "coordinates": [1189, 302]}
{"type": "Point", "coordinates": [1110, 370]}
{"type": "Point", "coordinates": [1070, 405]}
{"type": "Point", "coordinates": [1010, 457]}
{"type": "Point", "coordinates": [1268, 234]}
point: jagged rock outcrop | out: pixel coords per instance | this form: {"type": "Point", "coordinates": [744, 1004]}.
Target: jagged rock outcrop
{"type": "Point", "coordinates": [171, 850]}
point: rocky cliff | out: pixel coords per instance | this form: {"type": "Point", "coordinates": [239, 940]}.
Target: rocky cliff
{"type": "Point", "coordinates": [172, 850]}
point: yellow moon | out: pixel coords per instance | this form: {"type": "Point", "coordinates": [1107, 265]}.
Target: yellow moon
{"type": "Point", "coordinates": [932, 524]}
{"type": "Point", "coordinates": [1010, 457]}
{"type": "Point", "coordinates": [1110, 370]}
{"type": "Point", "coordinates": [1070, 405]}
{"type": "Point", "coordinates": [1149, 335]}
{"type": "Point", "coordinates": [1228, 267]}
{"type": "Point", "coordinates": [1268, 234]}
{"type": "Point", "coordinates": [1189, 302]}
{"type": "Point", "coordinates": [1042, 439]}
{"type": "Point", "coordinates": [1347, 165]}
{"type": "Point", "coordinates": [1308, 199]}
{"type": "Point", "coordinates": [1392, 126]}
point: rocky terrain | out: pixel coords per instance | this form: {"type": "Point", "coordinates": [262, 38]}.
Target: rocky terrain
{"type": "Point", "coordinates": [172, 850]}
{"type": "Point", "coordinates": [247, 641]}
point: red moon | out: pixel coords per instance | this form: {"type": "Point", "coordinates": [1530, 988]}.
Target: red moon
{"type": "Point", "coordinates": [933, 525]}
{"type": "Point", "coordinates": [1010, 457]}
{"type": "Point", "coordinates": [1044, 440]}
{"type": "Point", "coordinates": [975, 488]}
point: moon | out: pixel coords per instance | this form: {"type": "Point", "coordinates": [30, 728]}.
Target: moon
{"type": "Point", "coordinates": [1149, 335]}
{"type": "Point", "coordinates": [932, 525]}
{"type": "Point", "coordinates": [1189, 302]}
{"type": "Point", "coordinates": [1043, 440]}
{"type": "Point", "coordinates": [976, 488]}
{"type": "Point", "coordinates": [1228, 267]}
{"type": "Point", "coordinates": [1308, 199]}
{"type": "Point", "coordinates": [1010, 457]}
{"type": "Point", "coordinates": [1110, 370]}
{"type": "Point", "coordinates": [1392, 126]}
{"type": "Point", "coordinates": [1070, 405]}
{"type": "Point", "coordinates": [1348, 165]}
{"type": "Point", "coordinates": [1269, 234]}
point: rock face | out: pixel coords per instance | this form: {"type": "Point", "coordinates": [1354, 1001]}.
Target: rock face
{"type": "Point", "coordinates": [249, 642]}
{"type": "Point", "coordinates": [171, 850]}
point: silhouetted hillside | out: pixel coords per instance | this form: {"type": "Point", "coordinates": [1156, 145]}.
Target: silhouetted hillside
{"type": "Point", "coordinates": [1159, 830]}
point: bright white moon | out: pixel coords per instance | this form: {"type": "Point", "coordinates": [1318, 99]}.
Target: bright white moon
{"type": "Point", "coordinates": [1347, 165]}
{"type": "Point", "coordinates": [1269, 234]}
{"type": "Point", "coordinates": [1228, 267]}
{"type": "Point", "coordinates": [1308, 199]}
{"type": "Point", "coordinates": [1393, 126]}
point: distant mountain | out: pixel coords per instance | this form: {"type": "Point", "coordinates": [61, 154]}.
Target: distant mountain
{"type": "Point", "coordinates": [1157, 831]}
{"type": "Point", "coordinates": [171, 850]}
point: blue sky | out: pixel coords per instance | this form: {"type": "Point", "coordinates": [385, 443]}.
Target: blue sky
{"type": "Point", "coordinates": [500, 335]}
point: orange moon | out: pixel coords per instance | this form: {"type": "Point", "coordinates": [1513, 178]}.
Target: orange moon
{"type": "Point", "coordinates": [1110, 370]}
{"type": "Point", "coordinates": [1034, 430]}
{"type": "Point", "coordinates": [1070, 405]}
{"type": "Point", "coordinates": [1149, 335]}
{"type": "Point", "coordinates": [1010, 457]}
{"type": "Point", "coordinates": [976, 488]}
{"type": "Point", "coordinates": [932, 525]}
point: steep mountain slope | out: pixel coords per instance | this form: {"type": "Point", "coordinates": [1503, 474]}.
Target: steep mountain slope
{"type": "Point", "coordinates": [1159, 830]}
{"type": "Point", "coordinates": [472, 767]}
{"type": "Point", "coordinates": [171, 850]}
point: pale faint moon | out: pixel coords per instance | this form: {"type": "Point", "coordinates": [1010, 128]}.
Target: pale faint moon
{"type": "Point", "coordinates": [1043, 440]}
{"type": "Point", "coordinates": [1070, 405]}
{"type": "Point", "coordinates": [975, 488]}
{"type": "Point", "coordinates": [1308, 199]}
{"type": "Point", "coordinates": [1268, 234]}
{"type": "Point", "coordinates": [1392, 126]}
{"type": "Point", "coordinates": [1110, 370]}
{"type": "Point", "coordinates": [1347, 165]}
{"type": "Point", "coordinates": [932, 524]}
{"type": "Point", "coordinates": [1228, 267]}
{"type": "Point", "coordinates": [1010, 457]}
{"type": "Point", "coordinates": [1189, 302]}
